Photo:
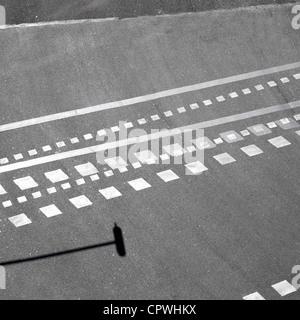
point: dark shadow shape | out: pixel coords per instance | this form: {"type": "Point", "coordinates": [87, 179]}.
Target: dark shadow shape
{"type": "Point", "coordinates": [119, 242]}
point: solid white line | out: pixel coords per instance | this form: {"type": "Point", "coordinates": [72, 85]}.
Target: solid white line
{"type": "Point", "coordinates": [148, 137]}
{"type": "Point", "coordinates": [145, 98]}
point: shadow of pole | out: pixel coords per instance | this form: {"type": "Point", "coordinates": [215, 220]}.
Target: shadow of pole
{"type": "Point", "coordinates": [118, 242]}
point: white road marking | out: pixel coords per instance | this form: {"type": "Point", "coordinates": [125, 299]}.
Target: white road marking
{"type": "Point", "coordinates": [168, 175]}
{"type": "Point", "coordinates": [7, 204]}
{"type": "Point", "coordinates": [297, 76]}
{"type": "Point", "coordinates": [115, 129]}
{"type": "Point", "coordinates": [279, 142]}
{"type": "Point", "coordinates": [142, 121]}
{"type": "Point", "coordinates": [108, 173]}
{"type": "Point", "coordinates": [148, 137]}
{"type": "Point", "coordinates": [66, 186]}
{"type": "Point", "coordinates": [203, 143]}
{"type": "Point", "coordinates": [22, 199]}
{"type": "Point", "coordinates": [146, 156]}
{"type": "Point", "coordinates": [231, 136]}
{"type": "Point", "coordinates": [4, 161]}
{"type": "Point", "coordinates": [81, 202]}
{"type": "Point", "coordinates": [94, 177]}
{"type": "Point", "coordinates": [18, 156]}
{"type": "Point", "coordinates": [155, 117]}
{"type": "Point", "coordinates": [254, 296]}
{"type": "Point", "coordinates": [168, 113]}
{"type": "Point", "coordinates": [181, 110]}
{"type": "Point", "coordinates": [20, 220]}
{"type": "Point", "coordinates": [272, 125]}
{"type": "Point", "coordinates": [37, 195]}
{"type": "Point", "coordinates": [164, 157]}
{"type": "Point", "coordinates": [259, 87]}
{"type": "Point", "coordinates": [194, 106]}
{"type": "Point", "coordinates": [191, 149]}
{"type": "Point", "coordinates": [207, 103]}
{"type": "Point", "coordinates": [56, 176]}
{"type": "Point", "coordinates": [285, 80]}
{"type": "Point", "coordinates": [50, 211]}
{"type": "Point", "coordinates": [220, 99]}
{"type": "Point", "coordinates": [101, 132]}
{"type": "Point", "coordinates": [245, 133]}
{"type": "Point", "coordinates": [2, 190]}
{"type": "Point", "coordinates": [259, 130]}
{"type": "Point", "coordinates": [246, 91]}
{"type": "Point", "coordinates": [26, 183]}
{"type": "Point", "coordinates": [46, 148]}
{"type": "Point", "coordinates": [174, 150]}
{"type": "Point", "coordinates": [86, 169]}
{"type": "Point", "coordinates": [139, 184]}
{"type": "Point", "coordinates": [296, 116]}
{"type": "Point", "coordinates": [51, 190]}
{"type": "Point", "coordinates": [233, 95]}
{"type": "Point", "coordinates": [298, 132]}
{"type": "Point", "coordinates": [110, 193]}
{"type": "Point", "coordinates": [32, 152]}
{"type": "Point", "coordinates": [272, 84]}
{"type": "Point", "coordinates": [88, 136]}
{"type": "Point", "coordinates": [128, 125]}
{"type": "Point", "coordinates": [196, 167]}
{"type": "Point", "coordinates": [252, 150]}
{"type": "Point", "coordinates": [284, 288]}
{"type": "Point", "coordinates": [288, 123]}
{"type": "Point", "coordinates": [117, 163]}
{"type": "Point", "coordinates": [218, 141]}
{"type": "Point", "coordinates": [224, 158]}
{"type": "Point", "coordinates": [136, 165]}
{"type": "Point", "coordinates": [74, 140]}
{"type": "Point", "coordinates": [80, 182]}
{"type": "Point", "coordinates": [149, 97]}
{"type": "Point", "coordinates": [60, 144]}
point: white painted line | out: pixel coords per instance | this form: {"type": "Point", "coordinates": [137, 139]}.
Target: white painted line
{"type": "Point", "coordinates": [139, 184]}
{"type": "Point", "coordinates": [220, 98]}
{"type": "Point", "coordinates": [252, 150]}
{"type": "Point", "coordinates": [115, 129]}
{"type": "Point", "coordinates": [284, 288]}
{"type": "Point", "coordinates": [56, 176]}
{"type": "Point", "coordinates": [51, 190]}
{"type": "Point", "coordinates": [149, 137]}
{"type": "Point", "coordinates": [88, 136]}
{"type": "Point", "coordinates": [128, 125]}
{"type": "Point", "coordinates": [245, 133]}
{"type": "Point", "coordinates": [18, 156]}
{"type": "Point", "coordinates": [32, 152]}
{"type": "Point", "coordinates": [168, 113]}
{"type": "Point", "coordinates": [272, 125]}
{"type": "Point", "coordinates": [272, 84]}
{"type": "Point", "coordinates": [46, 148]}
{"type": "Point", "coordinates": [246, 91]}
{"type": "Point", "coordinates": [181, 110]}
{"type": "Point", "coordinates": [297, 76]}
{"type": "Point", "coordinates": [86, 169]}
{"type": "Point", "coordinates": [196, 167]}
{"type": "Point", "coordinates": [149, 97]}
{"type": "Point", "coordinates": [259, 87]}
{"type": "Point", "coordinates": [110, 193]}
{"type": "Point", "coordinates": [2, 190]}
{"type": "Point", "coordinates": [26, 183]}
{"type": "Point", "coordinates": [50, 211]}
{"type": "Point", "coordinates": [80, 182]}
{"type": "Point", "coordinates": [279, 142]}
{"type": "Point", "coordinates": [22, 199]}
{"type": "Point", "coordinates": [218, 141]}
{"type": "Point", "coordinates": [95, 177]}
{"type": "Point", "coordinates": [74, 140]}
{"type": "Point", "coordinates": [142, 121]}
{"type": "Point", "coordinates": [108, 173]}
{"type": "Point", "coordinates": [168, 175]}
{"type": "Point", "coordinates": [207, 102]}
{"type": "Point", "coordinates": [66, 186]}
{"type": "Point", "coordinates": [136, 165]}
{"type": "Point", "coordinates": [224, 158]}
{"type": "Point", "coordinates": [60, 144]}
{"type": "Point", "coordinates": [285, 80]}
{"type": "Point", "coordinates": [254, 296]}
{"type": "Point", "coordinates": [233, 95]}
{"type": "Point", "coordinates": [7, 204]}
{"type": "Point", "coordinates": [4, 161]}
{"type": "Point", "coordinates": [20, 220]}
{"type": "Point", "coordinates": [155, 117]}
{"type": "Point", "coordinates": [81, 202]}
{"type": "Point", "coordinates": [194, 106]}
{"type": "Point", "coordinates": [37, 195]}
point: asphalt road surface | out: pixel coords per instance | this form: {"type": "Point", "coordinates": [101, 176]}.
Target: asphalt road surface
{"type": "Point", "coordinates": [222, 228]}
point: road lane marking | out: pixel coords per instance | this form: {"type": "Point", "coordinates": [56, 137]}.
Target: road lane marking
{"type": "Point", "coordinates": [149, 137]}
{"type": "Point", "coordinates": [259, 87]}
{"type": "Point", "coordinates": [36, 195]}
{"type": "Point", "coordinates": [220, 98]}
{"type": "Point", "coordinates": [18, 156]}
{"type": "Point", "coordinates": [50, 211]}
{"type": "Point", "coordinates": [259, 130]}
{"type": "Point", "coordinates": [272, 125]}
{"type": "Point", "coordinates": [7, 204]}
{"type": "Point", "coordinates": [80, 182]}
{"type": "Point", "coordinates": [272, 84]}
{"type": "Point", "coordinates": [81, 202]}
{"type": "Point", "coordinates": [110, 193]}
{"type": "Point", "coordinates": [252, 150]}
{"type": "Point", "coordinates": [86, 169]}
{"type": "Point", "coordinates": [139, 184]}
{"type": "Point", "coordinates": [297, 76]}
{"type": "Point", "coordinates": [196, 167]}
{"type": "Point", "coordinates": [108, 173]}
{"type": "Point", "coordinates": [51, 190]}
{"type": "Point", "coordinates": [168, 175]}
{"type": "Point", "coordinates": [56, 176]}
{"type": "Point", "coordinates": [245, 133]}
{"type": "Point", "coordinates": [32, 153]}
{"type": "Point", "coordinates": [20, 220]}
{"type": "Point", "coordinates": [22, 199]}
{"type": "Point", "coordinates": [284, 288]}
{"type": "Point", "coordinates": [233, 95]}
{"type": "Point", "coordinates": [285, 80]}
{"type": "Point", "coordinates": [149, 97]}
{"type": "Point", "coordinates": [279, 142]}
{"type": "Point", "coordinates": [60, 144]}
{"type": "Point", "coordinates": [254, 296]}
{"type": "Point", "coordinates": [231, 136]}
{"type": "Point", "coordinates": [2, 190]}
{"type": "Point", "coordinates": [246, 91]}
{"type": "Point", "coordinates": [74, 140]}
{"type": "Point", "coordinates": [26, 183]}
{"type": "Point", "coordinates": [46, 148]}
{"type": "Point", "coordinates": [168, 113]}
{"type": "Point", "coordinates": [224, 158]}
{"type": "Point", "coordinates": [207, 103]}
{"type": "Point", "coordinates": [66, 186]}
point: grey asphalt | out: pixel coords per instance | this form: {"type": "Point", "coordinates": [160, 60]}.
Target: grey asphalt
{"type": "Point", "coordinates": [229, 232]}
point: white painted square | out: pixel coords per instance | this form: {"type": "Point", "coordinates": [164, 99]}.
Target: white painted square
{"type": "Point", "coordinates": [37, 195]}
{"type": "Point", "coordinates": [142, 121]}
{"type": "Point", "coordinates": [22, 199]}
{"type": "Point", "coordinates": [272, 125]}
{"type": "Point", "coordinates": [116, 163]}
{"type": "Point", "coordinates": [196, 167]}
{"type": "Point", "coordinates": [94, 177]}
{"type": "Point", "coordinates": [115, 129]}
{"type": "Point", "coordinates": [32, 152]}
{"type": "Point", "coordinates": [220, 98]}
{"type": "Point", "coordinates": [272, 84]}
{"type": "Point", "coordinates": [2, 190]}
{"type": "Point", "coordinates": [246, 91]}
{"type": "Point", "coordinates": [259, 130]}
{"type": "Point", "coordinates": [50, 211]}
{"type": "Point", "coordinates": [51, 190]}
{"type": "Point", "coordinates": [136, 165]}
{"type": "Point", "coordinates": [245, 133]}
{"type": "Point", "coordinates": [108, 173]}
{"type": "Point", "coordinates": [174, 150]}
{"type": "Point", "coordinates": [66, 186]}
{"type": "Point", "coordinates": [88, 136]}
{"type": "Point", "coordinates": [224, 158]}
{"type": "Point", "coordinates": [284, 288]}
{"type": "Point", "coordinates": [139, 184]}
{"type": "Point", "coordinates": [207, 102]}
{"type": "Point", "coordinates": [203, 143]}
{"type": "Point", "coordinates": [218, 141]}
{"type": "Point", "coordinates": [259, 87]}
{"type": "Point", "coordinates": [101, 133]}
{"type": "Point", "coordinates": [19, 220]}
{"type": "Point", "coordinates": [4, 161]}
{"type": "Point", "coordinates": [128, 125]}
{"type": "Point", "coordinates": [123, 169]}
{"type": "Point", "coordinates": [298, 132]}
{"type": "Point", "coordinates": [46, 148]}
{"type": "Point", "coordinates": [26, 183]}
{"type": "Point", "coordinates": [181, 110]}
{"type": "Point", "coordinates": [56, 176]}
{"type": "Point", "coordinates": [254, 296]}
{"type": "Point", "coordinates": [164, 157]}
{"type": "Point", "coordinates": [80, 182]}
{"type": "Point", "coordinates": [86, 169]}
{"type": "Point", "coordinates": [18, 156]}
{"type": "Point", "coordinates": [231, 136]}
{"type": "Point", "coordinates": [194, 106]}
{"type": "Point", "coordinates": [60, 144]}
{"type": "Point", "coordinates": [297, 76]}
{"type": "Point", "coordinates": [168, 113]}
{"type": "Point", "coordinates": [74, 140]}
{"type": "Point", "coordinates": [110, 193]}
{"type": "Point", "coordinates": [285, 80]}
{"type": "Point", "coordinates": [81, 202]}
{"type": "Point", "coordinates": [7, 204]}
{"type": "Point", "coordinates": [233, 95]}
{"type": "Point", "coordinates": [296, 116]}
{"type": "Point", "coordinates": [191, 149]}
{"type": "Point", "coordinates": [155, 117]}
{"type": "Point", "coordinates": [252, 150]}
{"type": "Point", "coordinates": [279, 142]}
{"type": "Point", "coordinates": [168, 175]}
{"type": "Point", "coordinates": [146, 156]}
{"type": "Point", "coordinates": [285, 121]}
